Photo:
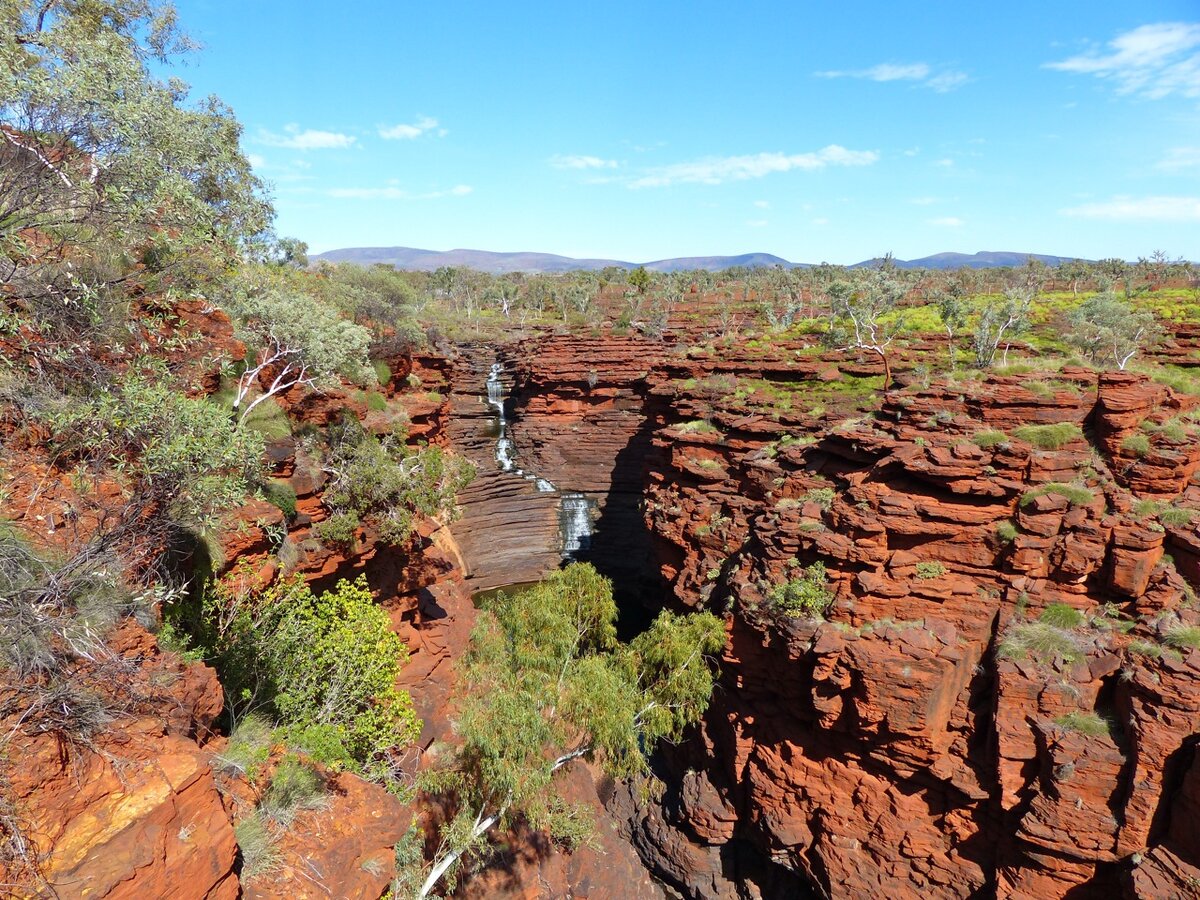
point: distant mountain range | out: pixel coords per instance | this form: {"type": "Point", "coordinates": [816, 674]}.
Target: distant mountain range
{"type": "Point", "coordinates": [488, 261]}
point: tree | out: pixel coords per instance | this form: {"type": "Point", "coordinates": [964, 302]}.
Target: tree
{"type": "Point", "coordinates": [1000, 321]}
{"type": "Point", "coordinates": [544, 683]}
{"type": "Point", "coordinates": [94, 148]}
{"type": "Point", "coordinates": [860, 315]}
{"type": "Point", "coordinates": [294, 339]}
{"type": "Point", "coordinates": [639, 279]}
{"type": "Point", "coordinates": [952, 308]}
{"type": "Point", "coordinates": [1110, 330]}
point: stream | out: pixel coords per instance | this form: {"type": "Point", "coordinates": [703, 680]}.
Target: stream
{"type": "Point", "coordinates": [574, 510]}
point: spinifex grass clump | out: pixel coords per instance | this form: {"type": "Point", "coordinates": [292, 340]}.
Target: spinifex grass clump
{"type": "Point", "coordinates": [1050, 437]}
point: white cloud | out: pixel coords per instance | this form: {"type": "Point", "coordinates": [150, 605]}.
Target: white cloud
{"type": "Point", "coordinates": [758, 223]}
{"type": "Point", "coordinates": [719, 169]}
{"type": "Point", "coordinates": [1152, 61]}
{"type": "Point", "coordinates": [947, 222]}
{"type": "Point", "coordinates": [308, 139]}
{"type": "Point", "coordinates": [402, 132]}
{"type": "Point", "coordinates": [921, 73]}
{"type": "Point", "coordinates": [392, 192]}
{"type": "Point", "coordinates": [820, 221]}
{"type": "Point", "coordinates": [1180, 158]}
{"type": "Point", "coordinates": [945, 163]}
{"type": "Point", "coordinates": [1140, 209]}
{"type": "Point", "coordinates": [582, 162]}
{"type": "Point", "coordinates": [763, 204]}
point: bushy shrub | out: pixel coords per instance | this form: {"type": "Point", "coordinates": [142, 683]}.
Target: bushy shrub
{"type": "Point", "coordinates": [1184, 637]}
{"type": "Point", "coordinates": [383, 372]}
{"type": "Point", "coordinates": [376, 402]}
{"type": "Point", "coordinates": [1006, 531]}
{"type": "Point", "coordinates": [928, 570]}
{"type": "Point", "coordinates": [1076, 495]}
{"type": "Point", "coordinates": [281, 495]}
{"type": "Point", "coordinates": [295, 785]}
{"type": "Point", "coordinates": [1137, 444]}
{"type": "Point", "coordinates": [823, 497]}
{"type": "Point", "coordinates": [989, 438]}
{"type": "Point", "coordinates": [383, 483]}
{"type": "Point", "coordinates": [1050, 437]}
{"type": "Point", "coordinates": [808, 595]}
{"type": "Point", "coordinates": [318, 661]}
{"type": "Point", "coordinates": [1062, 615]}
{"type": "Point", "coordinates": [1176, 515]}
{"type": "Point", "coordinates": [1040, 640]}
{"type": "Point", "coordinates": [1087, 723]}
{"type": "Point", "coordinates": [180, 455]}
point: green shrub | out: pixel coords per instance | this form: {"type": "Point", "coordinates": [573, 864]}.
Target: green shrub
{"type": "Point", "coordinates": [1137, 444]}
{"type": "Point", "coordinates": [1184, 637]}
{"type": "Point", "coordinates": [1006, 531]}
{"type": "Point", "coordinates": [697, 426]}
{"type": "Point", "coordinates": [808, 595]}
{"type": "Point", "coordinates": [1062, 615]}
{"type": "Point", "coordinates": [1076, 495]}
{"type": "Point", "coordinates": [823, 497]}
{"type": "Point", "coordinates": [989, 438]}
{"type": "Point", "coordinates": [1041, 641]}
{"type": "Point", "coordinates": [181, 455]}
{"type": "Point", "coordinates": [1176, 515]}
{"type": "Point", "coordinates": [295, 785]}
{"type": "Point", "coordinates": [279, 493]}
{"type": "Point", "coordinates": [1087, 723]}
{"type": "Point", "coordinates": [1145, 508]}
{"type": "Point", "coordinates": [1049, 437]}
{"type": "Point", "coordinates": [260, 855]}
{"type": "Point", "coordinates": [318, 661]}
{"type": "Point", "coordinates": [1145, 648]}
{"type": "Point", "coordinates": [928, 570]}
{"type": "Point", "coordinates": [383, 483]}
{"type": "Point", "coordinates": [248, 746]}
{"type": "Point", "coordinates": [339, 530]}
{"type": "Point", "coordinates": [376, 402]}
{"type": "Point", "coordinates": [383, 372]}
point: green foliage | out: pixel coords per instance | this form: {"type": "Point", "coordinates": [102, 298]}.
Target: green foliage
{"type": "Point", "coordinates": [989, 438]}
{"type": "Point", "coordinates": [325, 661]}
{"type": "Point", "coordinates": [1183, 637]}
{"type": "Point", "coordinates": [1007, 531]}
{"type": "Point", "coordinates": [545, 681]}
{"type": "Point", "coordinates": [1137, 444]}
{"type": "Point", "coordinates": [339, 530]}
{"type": "Point", "coordinates": [1145, 648]}
{"type": "Point", "coordinates": [1050, 437]}
{"type": "Point", "coordinates": [383, 372]}
{"type": "Point", "coordinates": [928, 570]}
{"type": "Point", "coordinates": [1076, 495]}
{"type": "Point", "coordinates": [376, 402]}
{"type": "Point", "coordinates": [76, 86]}
{"type": "Point", "coordinates": [258, 847]}
{"type": "Point", "coordinates": [178, 455]}
{"type": "Point", "coordinates": [1087, 723]}
{"type": "Point", "coordinates": [248, 746]}
{"type": "Point", "coordinates": [823, 497]}
{"type": "Point", "coordinates": [1110, 331]}
{"type": "Point", "coordinates": [279, 493]}
{"type": "Point", "coordinates": [1176, 516]}
{"type": "Point", "coordinates": [384, 483]}
{"type": "Point", "coordinates": [697, 426]}
{"type": "Point", "coordinates": [1062, 615]}
{"type": "Point", "coordinates": [808, 595]}
{"type": "Point", "coordinates": [1041, 641]}
{"type": "Point", "coordinates": [295, 785]}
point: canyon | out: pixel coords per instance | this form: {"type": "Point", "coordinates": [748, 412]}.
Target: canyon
{"type": "Point", "coordinates": [916, 739]}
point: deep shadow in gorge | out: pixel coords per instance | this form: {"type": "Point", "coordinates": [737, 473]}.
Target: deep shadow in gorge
{"type": "Point", "coordinates": [621, 541]}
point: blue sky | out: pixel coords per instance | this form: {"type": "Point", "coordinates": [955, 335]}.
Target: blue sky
{"type": "Point", "coordinates": [639, 131]}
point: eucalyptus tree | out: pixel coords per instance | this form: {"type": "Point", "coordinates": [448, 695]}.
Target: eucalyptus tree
{"type": "Point", "coordinates": [545, 683]}
{"type": "Point", "coordinates": [1109, 330]}
{"type": "Point", "coordinates": [864, 314]}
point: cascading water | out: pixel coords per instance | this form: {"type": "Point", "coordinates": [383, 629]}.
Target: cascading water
{"type": "Point", "coordinates": [575, 510]}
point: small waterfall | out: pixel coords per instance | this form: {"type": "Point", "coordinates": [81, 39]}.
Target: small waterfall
{"type": "Point", "coordinates": [575, 510]}
{"type": "Point", "coordinates": [575, 523]}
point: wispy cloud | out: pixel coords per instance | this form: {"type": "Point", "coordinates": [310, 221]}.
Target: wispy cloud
{"type": "Point", "coordinates": [309, 139]}
{"type": "Point", "coordinates": [719, 169]}
{"type": "Point", "coordinates": [395, 193]}
{"type": "Point", "coordinates": [1140, 209]}
{"type": "Point", "coordinates": [1180, 158]}
{"type": "Point", "coordinates": [947, 222]}
{"type": "Point", "coordinates": [921, 73]}
{"type": "Point", "coordinates": [405, 132]}
{"type": "Point", "coordinates": [1153, 61]}
{"type": "Point", "coordinates": [581, 162]}
{"type": "Point", "coordinates": [757, 223]}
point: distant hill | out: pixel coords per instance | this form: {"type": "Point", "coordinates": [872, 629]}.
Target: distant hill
{"type": "Point", "coordinates": [984, 259]}
{"type": "Point", "coordinates": [488, 261]}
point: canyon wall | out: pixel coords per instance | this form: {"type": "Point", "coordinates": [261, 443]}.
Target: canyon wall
{"type": "Point", "coordinates": [935, 732]}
